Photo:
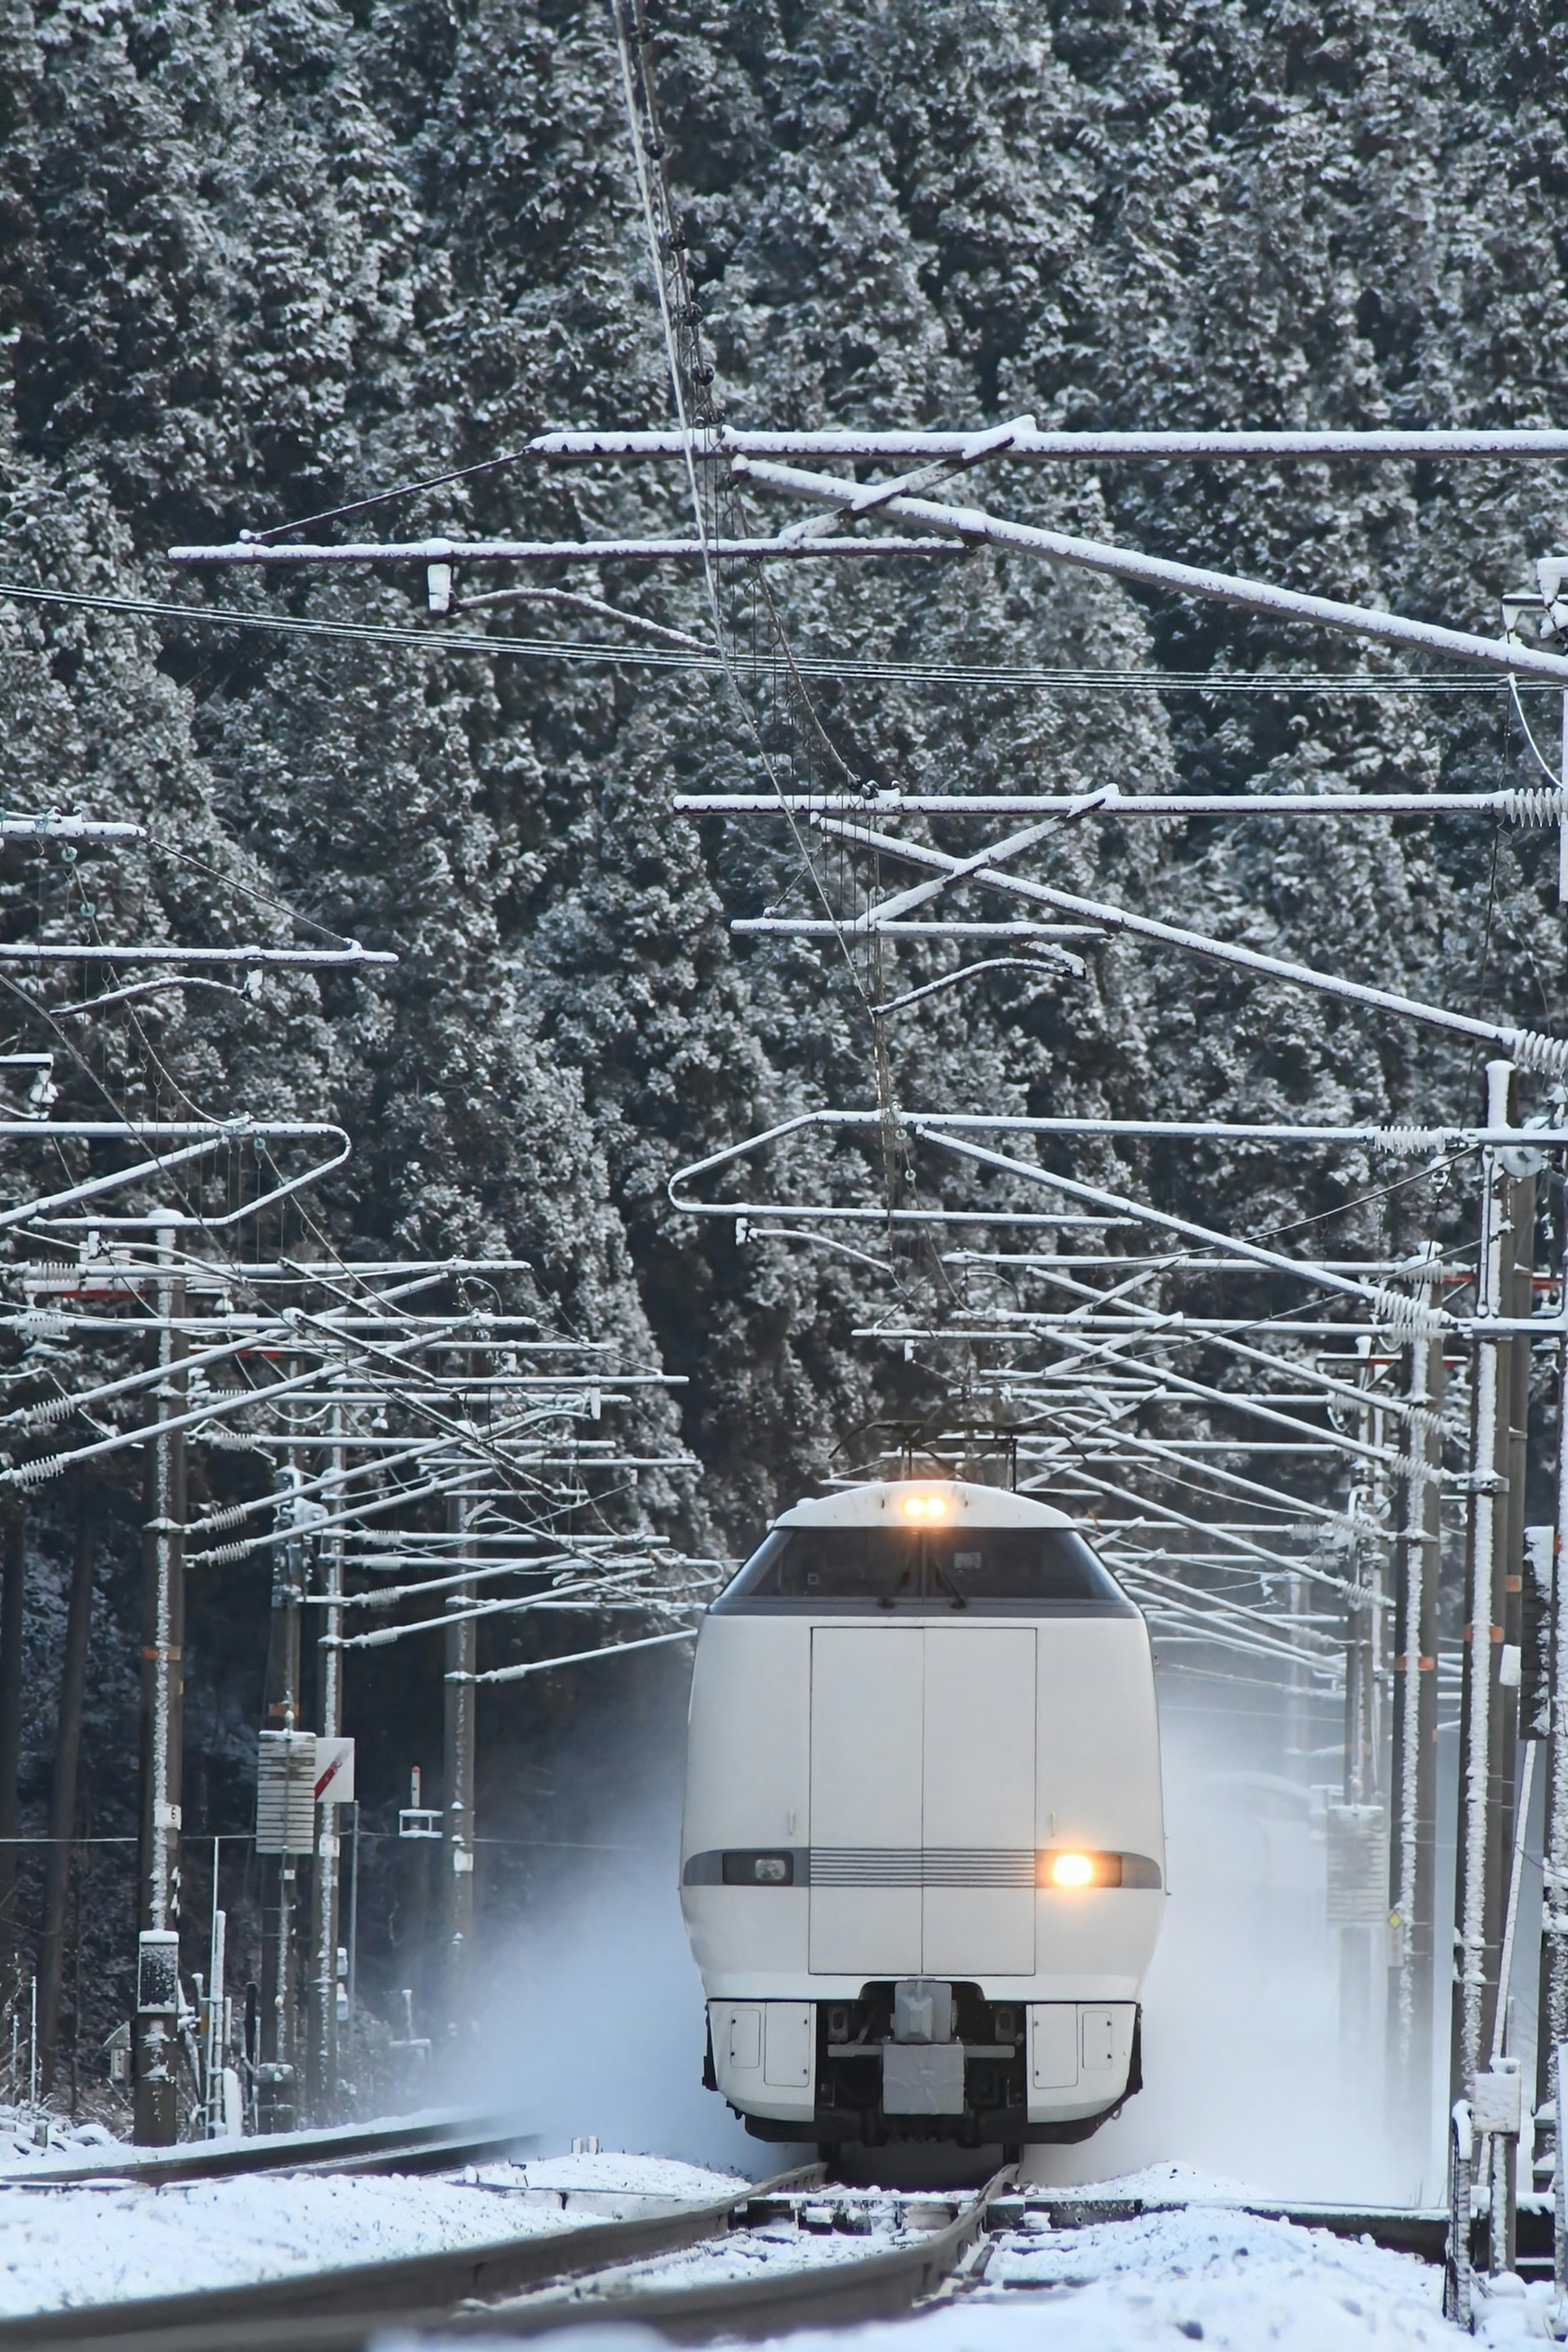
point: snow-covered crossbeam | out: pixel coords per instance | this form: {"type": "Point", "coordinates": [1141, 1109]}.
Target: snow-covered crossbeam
{"type": "Point", "coordinates": [975, 527]}
{"type": "Point", "coordinates": [269, 553]}
{"type": "Point", "coordinates": [98, 952]}
{"type": "Point", "coordinates": [54, 825]}
{"type": "Point", "coordinates": [1025, 439]}
{"type": "Point", "coordinates": [1540, 805]}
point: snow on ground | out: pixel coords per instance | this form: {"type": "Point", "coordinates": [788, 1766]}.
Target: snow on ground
{"type": "Point", "coordinates": [97, 2241]}
{"type": "Point", "coordinates": [1201, 2275]}
{"type": "Point", "coordinates": [23, 2132]}
{"type": "Point", "coordinates": [640, 2176]}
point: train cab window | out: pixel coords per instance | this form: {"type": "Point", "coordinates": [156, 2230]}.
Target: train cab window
{"type": "Point", "coordinates": [1016, 1572]}
{"type": "Point", "coordinates": [1019, 1564]}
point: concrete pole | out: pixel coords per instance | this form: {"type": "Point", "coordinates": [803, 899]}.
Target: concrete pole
{"type": "Point", "coordinates": [162, 1698]}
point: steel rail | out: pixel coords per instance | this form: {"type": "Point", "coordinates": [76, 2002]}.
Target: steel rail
{"type": "Point", "coordinates": [336, 2310]}
{"type": "Point", "coordinates": [876, 2286]}
{"type": "Point", "coordinates": [410, 2143]}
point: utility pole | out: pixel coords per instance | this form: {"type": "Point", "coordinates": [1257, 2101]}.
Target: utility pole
{"type": "Point", "coordinates": [1413, 1795]}
{"type": "Point", "coordinates": [322, 2084]}
{"type": "Point", "coordinates": [162, 1692]}
{"type": "Point", "coordinates": [461, 1697]}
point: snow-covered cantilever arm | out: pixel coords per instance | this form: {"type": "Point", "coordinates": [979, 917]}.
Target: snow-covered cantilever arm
{"type": "Point", "coordinates": [43, 1212]}
{"type": "Point", "coordinates": [945, 1130]}
{"type": "Point", "coordinates": [1548, 1056]}
{"type": "Point", "coordinates": [977, 527]}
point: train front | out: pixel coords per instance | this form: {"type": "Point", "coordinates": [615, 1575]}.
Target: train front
{"type": "Point", "coordinates": [922, 1863]}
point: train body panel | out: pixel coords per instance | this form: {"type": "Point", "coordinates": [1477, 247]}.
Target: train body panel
{"type": "Point", "coordinates": [923, 1758]}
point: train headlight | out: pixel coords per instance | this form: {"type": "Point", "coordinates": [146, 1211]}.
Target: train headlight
{"type": "Point", "coordinates": [751, 1869]}
{"type": "Point", "coordinates": [1070, 1867]}
{"type": "Point", "coordinates": [925, 1506]}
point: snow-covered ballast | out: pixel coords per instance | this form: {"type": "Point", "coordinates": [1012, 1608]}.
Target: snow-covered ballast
{"type": "Point", "coordinates": [922, 1861]}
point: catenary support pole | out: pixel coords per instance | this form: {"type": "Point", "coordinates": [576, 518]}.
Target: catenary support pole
{"type": "Point", "coordinates": [1475, 1984]}
{"type": "Point", "coordinates": [462, 1700]}
{"type": "Point", "coordinates": [13, 1612]}
{"type": "Point", "coordinates": [322, 2087]}
{"type": "Point", "coordinates": [1554, 1909]}
{"type": "Point", "coordinates": [162, 1691]}
{"type": "Point", "coordinates": [1414, 1792]}
{"type": "Point", "coordinates": [1507, 1564]}
{"type": "Point", "coordinates": [217, 1954]}
{"type": "Point", "coordinates": [281, 1872]}
{"type": "Point", "coordinates": [62, 1791]}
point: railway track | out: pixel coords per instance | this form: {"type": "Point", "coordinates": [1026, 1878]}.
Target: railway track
{"type": "Point", "coordinates": [796, 2251]}
{"type": "Point", "coordinates": [791, 2241]}
{"type": "Point", "coordinates": [419, 2142]}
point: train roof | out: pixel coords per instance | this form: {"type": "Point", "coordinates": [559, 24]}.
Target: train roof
{"type": "Point", "coordinates": [882, 1504]}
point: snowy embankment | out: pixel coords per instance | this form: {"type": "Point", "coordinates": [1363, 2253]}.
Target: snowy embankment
{"type": "Point", "coordinates": [105, 2241]}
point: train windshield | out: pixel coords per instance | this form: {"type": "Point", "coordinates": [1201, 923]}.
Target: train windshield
{"type": "Point", "coordinates": [1022, 1571]}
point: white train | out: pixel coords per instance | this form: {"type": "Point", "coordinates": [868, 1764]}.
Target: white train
{"type": "Point", "coordinates": [922, 1861]}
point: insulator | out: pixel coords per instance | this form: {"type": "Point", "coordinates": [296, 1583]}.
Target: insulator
{"type": "Point", "coordinates": [234, 1517]}
{"type": "Point", "coordinates": [224, 1555]}
{"type": "Point", "coordinates": [1547, 1056]}
{"type": "Point", "coordinates": [1402, 1314]}
{"type": "Point", "coordinates": [39, 1416]}
{"type": "Point", "coordinates": [1402, 1142]}
{"type": "Point", "coordinates": [34, 1473]}
{"type": "Point", "coordinates": [1536, 804]}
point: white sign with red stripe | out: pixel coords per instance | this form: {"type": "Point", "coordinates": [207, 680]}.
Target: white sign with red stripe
{"type": "Point", "coordinates": [335, 1771]}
